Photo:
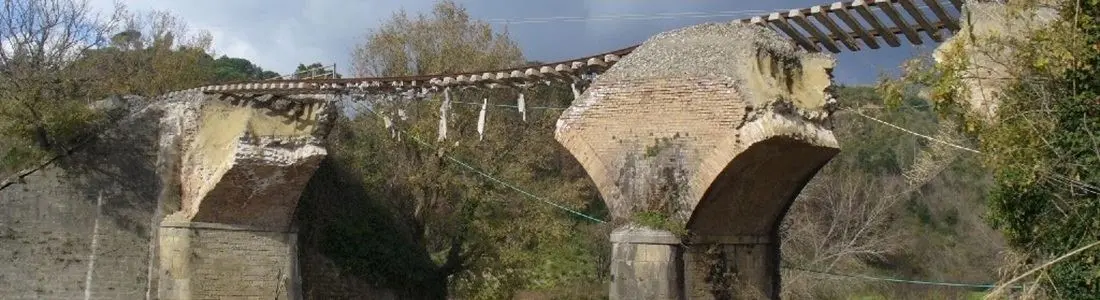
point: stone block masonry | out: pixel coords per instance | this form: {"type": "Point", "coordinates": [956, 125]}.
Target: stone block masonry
{"type": "Point", "coordinates": [214, 261]}
{"type": "Point", "coordinates": [48, 224]}
{"type": "Point", "coordinates": [646, 264]}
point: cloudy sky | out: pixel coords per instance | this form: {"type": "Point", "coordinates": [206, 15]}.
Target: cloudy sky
{"type": "Point", "coordinates": [278, 35]}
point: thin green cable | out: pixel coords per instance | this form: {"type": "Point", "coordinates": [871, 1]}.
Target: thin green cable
{"type": "Point", "coordinates": [922, 282]}
{"type": "Point", "coordinates": [559, 206]}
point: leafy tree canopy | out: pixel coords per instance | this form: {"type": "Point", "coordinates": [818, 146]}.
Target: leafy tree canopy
{"type": "Point", "coordinates": [1043, 143]}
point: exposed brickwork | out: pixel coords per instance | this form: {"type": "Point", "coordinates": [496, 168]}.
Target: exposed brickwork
{"type": "Point", "coordinates": [634, 116]}
{"type": "Point", "coordinates": [720, 125]}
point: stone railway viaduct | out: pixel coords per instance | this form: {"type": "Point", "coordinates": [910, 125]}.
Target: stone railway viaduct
{"type": "Point", "coordinates": [720, 125]}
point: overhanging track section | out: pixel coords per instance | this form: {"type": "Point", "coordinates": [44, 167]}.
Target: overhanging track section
{"type": "Point", "coordinates": [858, 24]}
{"type": "Point", "coordinates": [851, 26]}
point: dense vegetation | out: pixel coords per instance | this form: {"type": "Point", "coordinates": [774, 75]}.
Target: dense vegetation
{"type": "Point", "coordinates": [60, 56]}
{"type": "Point", "coordinates": [468, 236]}
{"type": "Point", "coordinates": [891, 204]}
{"type": "Point", "coordinates": [403, 210]}
{"type": "Point", "coordinates": [1042, 145]}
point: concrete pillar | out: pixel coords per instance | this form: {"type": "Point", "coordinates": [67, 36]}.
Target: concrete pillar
{"type": "Point", "coordinates": [645, 264]}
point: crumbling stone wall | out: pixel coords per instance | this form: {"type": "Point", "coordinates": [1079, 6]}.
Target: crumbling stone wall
{"type": "Point", "coordinates": [250, 152]}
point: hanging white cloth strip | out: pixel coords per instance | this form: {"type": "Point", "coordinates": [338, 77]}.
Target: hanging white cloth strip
{"type": "Point", "coordinates": [389, 125]}
{"type": "Point", "coordinates": [481, 120]}
{"type": "Point", "coordinates": [444, 110]}
{"type": "Point", "coordinates": [520, 103]}
{"type": "Point", "coordinates": [576, 92]}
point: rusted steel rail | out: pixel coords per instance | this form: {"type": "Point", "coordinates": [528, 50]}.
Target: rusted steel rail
{"type": "Point", "coordinates": [833, 27]}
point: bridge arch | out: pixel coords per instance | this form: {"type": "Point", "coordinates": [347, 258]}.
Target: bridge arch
{"type": "Point", "coordinates": [718, 125]}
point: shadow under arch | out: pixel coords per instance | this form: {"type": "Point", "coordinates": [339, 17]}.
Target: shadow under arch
{"type": "Point", "coordinates": [747, 201]}
{"type": "Point", "coordinates": [352, 245]}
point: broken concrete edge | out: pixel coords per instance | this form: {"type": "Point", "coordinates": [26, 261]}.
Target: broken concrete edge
{"type": "Point", "coordinates": [983, 76]}
{"type": "Point", "coordinates": [662, 56]}
{"type": "Point", "coordinates": [785, 124]}
{"type": "Point", "coordinates": [260, 167]}
{"type": "Point", "coordinates": [266, 132]}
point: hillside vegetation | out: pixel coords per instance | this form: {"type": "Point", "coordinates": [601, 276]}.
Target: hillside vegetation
{"type": "Point", "coordinates": [401, 210]}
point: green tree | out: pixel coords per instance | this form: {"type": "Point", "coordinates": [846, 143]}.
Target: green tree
{"type": "Point", "coordinates": [42, 102]}
{"type": "Point", "coordinates": [59, 56]}
{"type": "Point", "coordinates": [484, 240]}
{"type": "Point", "coordinates": [315, 70]}
{"type": "Point", "coordinates": [155, 54]}
{"type": "Point", "coordinates": [1042, 144]}
{"type": "Point", "coordinates": [891, 204]}
{"type": "Point", "coordinates": [227, 69]}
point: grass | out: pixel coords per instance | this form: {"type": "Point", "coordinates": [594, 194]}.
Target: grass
{"type": "Point", "coordinates": [969, 296]}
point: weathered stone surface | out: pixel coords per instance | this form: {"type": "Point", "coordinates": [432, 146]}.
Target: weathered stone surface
{"type": "Point", "coordinates": [645, 264]}
{"type": "Point", "coordinates": [245, 161]}
{"type": "Point", "coordinates": [81, 227]}
{"type": "Point", "coordinates": [989, 23]}
{"type": "Point", "coordinates": [658, 128]}
{"type": "Point", "coordinates": [212, 261]}
{"type": "Point", "coordinates": [719, 125]}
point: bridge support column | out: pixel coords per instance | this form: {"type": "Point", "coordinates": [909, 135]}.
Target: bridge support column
{"type": "Point", "coordinates": [713, 129]}
{"type": "Point", "coordinates": [229, 205]}
{"type": "Point", "coordinates": [645, 264]}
